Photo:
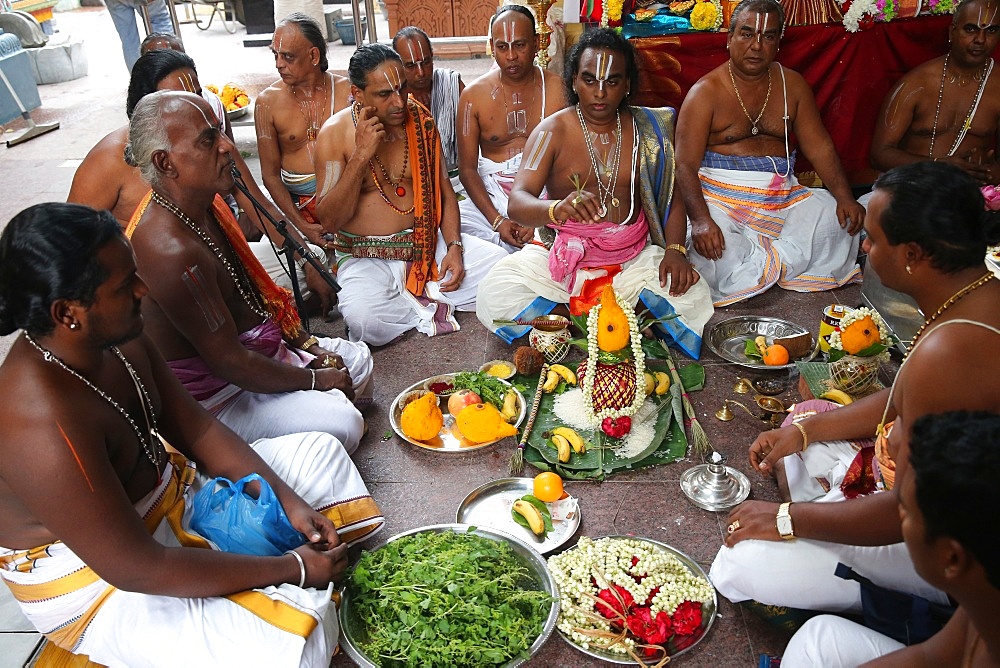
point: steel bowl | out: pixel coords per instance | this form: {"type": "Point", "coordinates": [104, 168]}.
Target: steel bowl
{"type": "Point", "coordinates": [727, 338]}
{"type": "Point", "coordinates": [352, 628]}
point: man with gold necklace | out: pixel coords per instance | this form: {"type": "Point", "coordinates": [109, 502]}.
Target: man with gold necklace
{"type": "Point", "coordinates": [753, 225]}
{"type": "Point", "coordinates": [288, 116]}
{"type": "Point", "coordinates": [948, 109]}
{"type": "Point", "coordinates": [227, 331]}
{"type": "Point", "coordinates": [497, 113]}
{"type": "Point", "coordinates": [402, 260]}
{"type": "Point", "coordinates": [608, 169]}
{"type": "Point", "coordinates": [927, 234]}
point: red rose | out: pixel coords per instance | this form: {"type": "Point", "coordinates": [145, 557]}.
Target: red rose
{"type": "Point", "coordinates": [650, 630]}
{"type": "Point", "coordinates": [616, 427]}
{"type": "Point", "coordinates": [610, 606]}
{"type": "Point", "coordinates": [687, 618]}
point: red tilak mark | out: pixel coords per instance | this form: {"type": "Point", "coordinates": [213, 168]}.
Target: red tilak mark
{"type": "Point", "coordinates": [75, 456]}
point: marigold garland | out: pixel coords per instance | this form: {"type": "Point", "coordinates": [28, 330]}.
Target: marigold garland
{"type": "Point", "coordinates": [706, 15]}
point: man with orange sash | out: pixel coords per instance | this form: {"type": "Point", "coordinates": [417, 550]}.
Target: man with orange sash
{"type": "Point", "coordinates": [99, 552]}
{"type": "Point", "coordinates": [230, 335]}
{"type": "Point", "coordinates": [402, 260]}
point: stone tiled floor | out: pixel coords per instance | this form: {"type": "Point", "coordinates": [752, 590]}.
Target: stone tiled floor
{"type": "Point", "coordinates": [416, 487]}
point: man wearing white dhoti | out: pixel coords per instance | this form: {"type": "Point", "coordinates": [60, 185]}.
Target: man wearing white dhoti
{"type": "Point", "coordinates": [752, 225]}
{"type": "Point", "coordinates": [98, 548]}
{"type": "Point", "coordinates": [497, 113]}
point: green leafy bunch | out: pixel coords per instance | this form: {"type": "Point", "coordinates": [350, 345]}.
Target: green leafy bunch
{"type": "Point", "coordinates": [436, 599]}
{"type": "Point", "coordinates": [489, 388]}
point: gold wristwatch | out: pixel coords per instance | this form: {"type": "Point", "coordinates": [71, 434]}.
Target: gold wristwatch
{"type": "Point", "coordinates": [309, 343]}
{"type": "Point", "coordinates": [784, 522]}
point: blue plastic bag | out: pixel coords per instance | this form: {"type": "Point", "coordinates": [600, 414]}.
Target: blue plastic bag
{"type": "Point", "coordinates": [224, 513]}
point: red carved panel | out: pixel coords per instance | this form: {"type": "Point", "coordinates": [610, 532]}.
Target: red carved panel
{"type": "Point", "coordinates": [435, 17]}
{"type": "Point", "coordinates": [472, 17]}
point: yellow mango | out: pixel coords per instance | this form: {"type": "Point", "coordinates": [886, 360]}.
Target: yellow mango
{"type": "Point", "coordinates": [481, 423]}
{"type": "Point", "coordinates": [422, 419]}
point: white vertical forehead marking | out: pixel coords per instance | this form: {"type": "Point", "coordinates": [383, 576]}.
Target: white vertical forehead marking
{"type": "Point", "coordinates": [280, 40]}
{"type": "Point", "coordinates": [767, 19]}
{"type": "Point", "coordinates": [200, 111]}
{"type": "Point", "coordinates": [413, 58]}
{"type": "Point", "coordinates": [420, 46]}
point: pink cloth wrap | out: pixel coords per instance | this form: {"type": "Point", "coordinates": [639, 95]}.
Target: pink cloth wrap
{"type": "Point", "coordinates": [265, 339]}
{"type": "Point", "coordinates": [588, 245]}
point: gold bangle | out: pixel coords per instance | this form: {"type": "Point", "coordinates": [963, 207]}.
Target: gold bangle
{"type": "Point", "coordinates": [498, 221]}
{"type": "Point", "coordinates": [805, 437]}
{"type": "Point", "coordinates": [309, 343]}
{"type": "Point", "coordinates": [679, 248]}
{"type": "Point", "coordinates": [552, 212]}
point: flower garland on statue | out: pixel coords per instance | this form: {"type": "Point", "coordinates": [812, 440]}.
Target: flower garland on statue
{"type": "Point", "coordinates": [593, 353]}
{"type": "Point", "coordinates": [867, 11]}
{"type": "Point", "coordinates": [706, 15]}
{"type": "Point", "coordinates": [611, 13]}
{"type": "Point", "coordinates": [628, 596]}
{"type": "Point", "coordinates": [940, 6]}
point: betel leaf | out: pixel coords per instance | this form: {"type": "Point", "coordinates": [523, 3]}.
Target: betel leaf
{"type": "Point", "coordinates": [751, 350]}
{"type": "Point", "coordinates": [542, 508]}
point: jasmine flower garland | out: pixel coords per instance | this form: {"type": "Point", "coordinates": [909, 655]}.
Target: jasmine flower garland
{"type": "Point", "coordinates": [593, 352]}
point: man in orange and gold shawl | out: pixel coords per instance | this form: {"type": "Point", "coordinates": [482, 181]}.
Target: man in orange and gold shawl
{"type": "Point", "coordinates": [384, 192]}
{"type": "Point", "coordinates": [227, 331]}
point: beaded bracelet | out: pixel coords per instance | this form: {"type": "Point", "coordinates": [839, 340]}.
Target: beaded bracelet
{"type": "Point", "coordinates": [805, 437]}
{"type": "Point", "coordinates": [302, 568]}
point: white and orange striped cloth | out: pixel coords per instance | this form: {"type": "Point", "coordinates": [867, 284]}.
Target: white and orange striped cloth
{"type": "Point", "coordinates": [276, 626]}
{"type": "Point", "coordinates": [777, 232]}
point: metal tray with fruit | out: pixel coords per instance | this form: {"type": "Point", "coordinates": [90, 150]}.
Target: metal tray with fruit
{"type": "Point", "coordinates": [449, 439]}
{"type": "Point", "coordinates": [490, 506]}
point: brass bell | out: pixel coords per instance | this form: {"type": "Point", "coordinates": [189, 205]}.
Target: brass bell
{"type": "Point", "coordinates": [725, 413]}
{"type": "Point", "coordinates": [742, 386]}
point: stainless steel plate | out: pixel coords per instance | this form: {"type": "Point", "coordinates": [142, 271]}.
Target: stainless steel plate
{"type": "Point", "coordinates": [708, 614]}
{"type": "Point", "coordinates": [237, 113]}
{"type": "Point", "coordinates": [352, 628]}
{"type": "Point", "coordinates": [728, 338]}
{"type": "Point", "coordinates": [448, 439]}
{"type": "Point", "coordinates": [490, 506]}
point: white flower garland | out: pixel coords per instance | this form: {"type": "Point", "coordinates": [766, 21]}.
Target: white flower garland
{"type": "Point", "coordinates": [595, 418]}
{"type": "Point", "coordinates": [609, 560]}
{"type": "Point", "coordinates": [851, 317]}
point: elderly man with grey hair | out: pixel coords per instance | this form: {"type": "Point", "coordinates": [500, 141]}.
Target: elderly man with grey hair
{"type": "Point", "coordinates": [228, 332]}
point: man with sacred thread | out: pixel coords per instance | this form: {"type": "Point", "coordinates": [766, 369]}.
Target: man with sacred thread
{"type": "Point", "coordinates": [610, 205]}
{"type": "Point", "coordinates": [98, 549]}
{"type": "Point", "coordinates": [493, 132]}
{"type": "Point", "coordinates": [230, 335]}
{"type": "Point", "coordinates": [402, 260]}
{"type": "Point", "coordinates": [437, 88]}
{"type": "Point", "coordinates": [752, 225]}
{"type": "Point", "coordinates": [948, 109]}
{"type": "Point", "coordinates": [288, 116]}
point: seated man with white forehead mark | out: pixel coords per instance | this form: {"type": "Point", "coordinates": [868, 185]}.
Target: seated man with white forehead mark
{"type": "Point", "coordinates": [402, 260]}
{"type": "Point", "coordinates": [497, 113]}
{"type": "Point", "coordinates": [228, 332]}
{"type": "Point", "coordinates": [288, 116]}
{"type": "Point", "coordinates": [752, 225]}
{"type": "Point", "coordinates": [437, 88]}
{"type": "Point", "coordinates": [612, 207]}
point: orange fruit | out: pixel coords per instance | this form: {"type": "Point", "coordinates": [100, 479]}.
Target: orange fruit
{"type": "Point", "coordinates": [776, 355]}
{"type": "Point", "coordinates": [548, 487]}
{"type": "Point", "coordinates": [859, 335]}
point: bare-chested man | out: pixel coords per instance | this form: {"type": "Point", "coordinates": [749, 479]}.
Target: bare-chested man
{"type": "Point", "coordinates": [948, 109]}
{"type": "Point", "coordinates": [497, 113]}
{"type": "Point", "coordinates": [91, 501]}
{"type": "Point", "coordinates": [288, 116]}
{"type": "Point", "coordinates": [437, 88]}
{"type": "Point", "coordinates": [104, 180]}
{"type": "Point", "coordinates": [615, 222]}
{"type": "Point", "coordinates": [403, 262]}
{"type": "Point", "coordinates": [752, 225]}
{"type": "Point", "coordinates": [228, 332]}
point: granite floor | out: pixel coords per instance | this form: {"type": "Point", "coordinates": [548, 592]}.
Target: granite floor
{"type": "Point", "coordinates": [416, 487]}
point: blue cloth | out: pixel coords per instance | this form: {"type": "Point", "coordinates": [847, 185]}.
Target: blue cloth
{"type": "Point", "coordinates": [748, 163]}
{"type": "Point", "coordinates": [661, 24]}
{"type": "Point", "coordinates": [125, 14]}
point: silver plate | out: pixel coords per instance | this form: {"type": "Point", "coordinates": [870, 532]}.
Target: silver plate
{"type": "Point", "coordinates": [449, 439]}
{"type": "Point", "coordinates": [237, 113]}
{"type": "Point", "coordinates": [490, 506]}
{"type": "Point", "coordinates": [708, 614]}
{"type": "Point", "coordinates": [352, 628]}
{"type": "Point", "coordinates": [728, 338]}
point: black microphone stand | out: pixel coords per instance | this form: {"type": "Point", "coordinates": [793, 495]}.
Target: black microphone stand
{"type": "Point", "coordinates": [291, 247]}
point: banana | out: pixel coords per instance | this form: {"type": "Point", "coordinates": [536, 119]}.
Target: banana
{"type": "Point", "coordinates": [509, 410]}
{"type": "Point", "coordinates": [562, 446]}
{"type": "Point", "coordinates": [575, 440]}
{"type": "Point", "coordinates": [551, 381]}
{"type": "Point", "coordinates": [761, 344]}
{"type": "Point", "coordinates": [535, 521]}
{"type": "Point", "coordinates": [662, 382]}
{"type": "Point", "coordinates": [837, 396]}
{"type": "Point", "coordinates": [650, 382]}
{"type": "Point", "coordinates": [565, 372]}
